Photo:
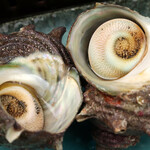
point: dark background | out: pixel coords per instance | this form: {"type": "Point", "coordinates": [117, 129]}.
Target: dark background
{"type": "Point", "coordinates": [14, 9]}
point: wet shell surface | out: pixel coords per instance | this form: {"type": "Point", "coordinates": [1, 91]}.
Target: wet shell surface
{"type": "Point", "coordinates": [39, 87]}
{"type": "Point", "coordinates": [110, 47]}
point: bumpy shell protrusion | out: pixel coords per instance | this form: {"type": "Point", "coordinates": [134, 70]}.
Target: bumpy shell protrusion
{"type": "Point", "coordinates": [124, 116]}
{"type": "Point", "coordinates": [40, 90]}
{"type": "Point", "coordinates": [120, 106]}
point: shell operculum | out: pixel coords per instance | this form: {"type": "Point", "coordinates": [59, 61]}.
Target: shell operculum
{"type": "Point", "coordinates": [51, 93]}
{"type": "Point", "coordinates": [22, 104]}
{"type": "Point", "coordinates": [117, 40]}
{"type": "Point", "coordinates": [38, 88]}
{"type": "Point", "coordinates": [113, 45]}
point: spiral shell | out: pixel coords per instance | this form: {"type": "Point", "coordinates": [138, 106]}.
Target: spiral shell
{"type": "Point", "coordinates": [110, 46]}
{"type": "Point", "coordinates": [39, 87]}
{"type": "Point", "coordinates": [106, 38]}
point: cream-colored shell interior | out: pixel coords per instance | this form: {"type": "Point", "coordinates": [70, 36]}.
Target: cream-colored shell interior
{"type": "Point", "coordinates": [78, 42]}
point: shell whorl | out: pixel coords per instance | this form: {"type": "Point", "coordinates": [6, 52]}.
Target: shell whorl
{"type": "Point", "coordinates": [28, 41]}
{"type": "Point", "coordinates": [38, 83]}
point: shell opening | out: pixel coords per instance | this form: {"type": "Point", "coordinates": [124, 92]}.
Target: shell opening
{"type": "Point", "coordinates": [20, 102]}
{"type": "Point", "coordinates": [115, 48]}
{"type": "Point", "coordinates": [78, 45]}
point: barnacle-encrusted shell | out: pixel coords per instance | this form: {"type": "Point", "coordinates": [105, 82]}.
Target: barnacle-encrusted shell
{"type": "Point", "coordinates": [39, 87]}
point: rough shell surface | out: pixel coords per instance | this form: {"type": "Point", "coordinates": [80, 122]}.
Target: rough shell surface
{"type": "Point", "coordinates": [119, 109]}
{"type": "Point", "coordinates": [39, 64]}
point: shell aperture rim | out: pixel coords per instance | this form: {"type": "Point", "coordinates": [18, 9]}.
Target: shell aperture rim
{"type": "Point", "coordinates": [79, 37]}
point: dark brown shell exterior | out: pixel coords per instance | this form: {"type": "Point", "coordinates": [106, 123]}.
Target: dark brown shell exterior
{"type": "Point", "coordinates": [24, 43]}
{"type": "Point", "coordinates": [109, 141]}
{"type": "Point", "coordinates": [124, 116]}
{"type": "Point", "coordinates": [27, 41]}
